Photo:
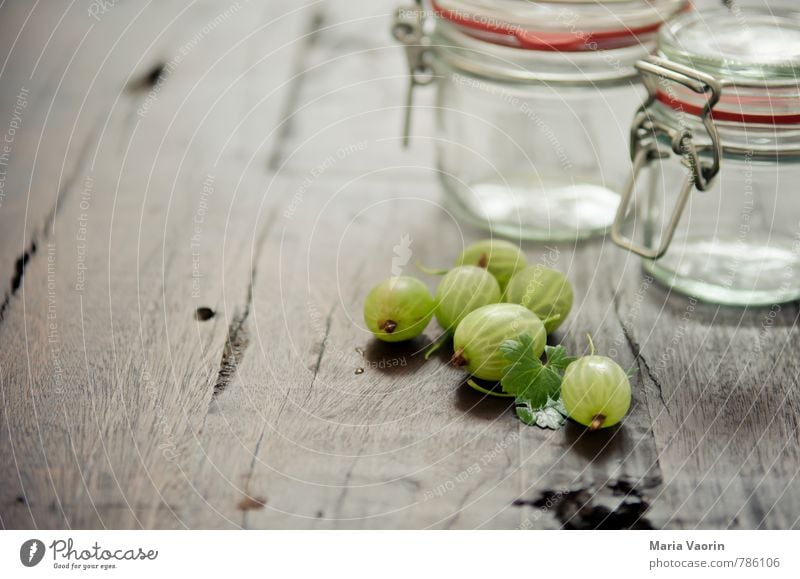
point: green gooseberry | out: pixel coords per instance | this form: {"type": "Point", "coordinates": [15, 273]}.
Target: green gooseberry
{"type": "Point", "coordinates": [462, 290]}
{"type": "Point", "coordinates": [502, 258]}
{"type": "Point", "coordinates": [544, 291]}
{"type": "Point", "coordinates": [398, 309]}
{"type": "Point", "coordinates": [596, 391]}
{"type": "Point", "coordinates": [479, 335]}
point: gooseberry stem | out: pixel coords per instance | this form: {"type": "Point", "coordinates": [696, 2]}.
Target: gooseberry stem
{"type": "Point", "coordinates": [437, 345]}
{"type": "Point", "coordinates": [591, 347]}
{"type": "Point", "coordinates": [597, 421]}
{"type": "Point", "coordinates": [458, 358]}
{"type": "Point", "coordinates": [551, 319]}
{"type": "Point", "coordinates": [430, 270]}
{"type": "Point", "coordinates": [483, 390]}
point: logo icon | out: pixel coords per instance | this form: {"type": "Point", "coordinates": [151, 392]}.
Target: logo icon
{"type": "Point", "coordinates": [31, 552]}
{"type": "Point", "coordinates": [402, 254]}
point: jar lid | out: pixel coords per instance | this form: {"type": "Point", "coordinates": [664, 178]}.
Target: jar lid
{"type": "Point", "coordinates": [754, 54]}
{"type": "Point", "coordinates": [745, 45]}
{"type": "Point", "coordinates": [559, 25]}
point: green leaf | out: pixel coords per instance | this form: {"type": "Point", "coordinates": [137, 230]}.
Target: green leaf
{"type": "Point", "coordinates": [546, 384]}
{"type": "Point", "coordinates": [526, 414]}
{"type": "Point", "coordinates": [519, 350]}
{"type": "Point", "coordinates": [536, 386]}
{"type": "Point", "coordinates": [526, 377]}
{"type": "Point", "coordinates": [557, 357]}
{"type": "Point", "coordinates": [552, 415]}
{"type": "Point", "coordinates": [525, 367]}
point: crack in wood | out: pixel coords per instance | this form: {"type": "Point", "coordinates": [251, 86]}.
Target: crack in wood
{"type": "Point", "coordinates": [23, 261]}
{"type": "Point", "coordinates": [237, 342]}
{"type": "Point", "coordinates": [345, 488]}
{"type": "Point", "coordinates": [238, 338]}
{"type": "Point", "coordinates": [339, 505]}
{"type": "Point", "coordinates": [462, 503]}
{"type": "Point", "coordinates": [248, 499]}
{"type": "Point", "coordinates": [19, 267]}
{"type": "Point", "coordinates": [155, 76]}
{"type": "Point", "coordinates": [298, 77]}
{"type": "Point", "coordinates": [641, 361]}
{"type": "Point", "coordinates": [252, 468]}
{"type": "Point", "coordinates": [16, 279]}
{"type": "Point", "coordinates": [322, 345]}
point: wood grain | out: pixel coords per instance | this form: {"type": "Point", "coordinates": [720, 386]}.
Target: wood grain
{"type": "Point", "coordinates": [106, 380]}
{"type": "Point", "coordinates": [184, 250]}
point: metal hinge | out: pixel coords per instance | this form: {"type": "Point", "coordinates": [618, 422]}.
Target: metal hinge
{"type": "Point", "coordinates": [645, 148]}
{"type": "Point", "coordinates": [408, 29]}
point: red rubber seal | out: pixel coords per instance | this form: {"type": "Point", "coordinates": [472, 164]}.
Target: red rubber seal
{"type": "Point", "coordinates": [731, 116]}
{"type": "Point", "coordinates": [546, 40]}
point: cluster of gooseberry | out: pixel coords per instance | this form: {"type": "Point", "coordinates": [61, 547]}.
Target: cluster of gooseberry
{"type": "Point", "coordinates": [489, 296]}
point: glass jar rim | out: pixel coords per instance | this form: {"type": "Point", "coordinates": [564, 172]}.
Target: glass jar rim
{"type": "Point", "coordinates": [758, 86]}
{"type": "Point", "coordinates": [559, 25]}
{"type": "Point", "coordinates": [746, 46]}
{"type": "Point", "coordinates": [465, 53]}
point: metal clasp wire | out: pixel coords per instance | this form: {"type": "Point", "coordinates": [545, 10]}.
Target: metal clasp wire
{"type": "Point", "coordinates": [408, 29]}
{"type": "Point", "coordinates": [644, 147]}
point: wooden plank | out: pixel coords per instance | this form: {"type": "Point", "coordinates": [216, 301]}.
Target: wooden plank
{"type": "Point", "coordinates": [609, 479]}
{"type": "Point", "coordinates": [252, 396]}
{"type": "Point", "coordinates": [63, 72]}
{"type": "Point", "coordinates": [102, 398]}
{"type": "Point", "coordinates": [284, 391]}
{"type": "Point", "coordinates": [724, 413]}
{"type": "Point", "coordinates": [352, 82]}
{"type": "Point", "coordinates": [711, 438]}
{"type": "Point", "coordinates": [102, 383]}
{"type": "Point", "coordinates": [370, 115]}
{"type": "Point", "coordinates": [324, 427]}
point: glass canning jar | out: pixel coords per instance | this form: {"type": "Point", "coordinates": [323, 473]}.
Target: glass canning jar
{"type": "Point", "coordinates": [716, 153]}
{"type": "Point", "coordinates": [533, 105]}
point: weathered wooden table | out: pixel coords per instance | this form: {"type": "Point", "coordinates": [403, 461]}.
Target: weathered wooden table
{"type": "Point", "coordinates": [196, 198]}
